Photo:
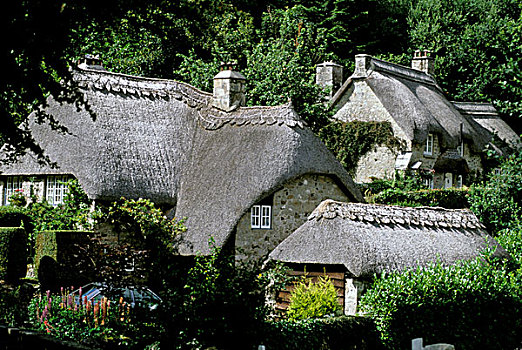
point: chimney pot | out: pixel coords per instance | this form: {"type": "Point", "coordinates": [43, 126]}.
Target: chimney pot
{"type": "Point", "coordinates": [362, 65]}
{"type": "Point", "coordinates": [91, 62]}
{"type": "Point", "coordinates": [423, 61]}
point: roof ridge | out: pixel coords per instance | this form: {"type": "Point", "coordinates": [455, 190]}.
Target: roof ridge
{"type": "Point", "coordinates": [402, 71]}
{"type": "Point", "coordinates": [389, 215]}
{"type": "Point", "coordinates": [214, 118]}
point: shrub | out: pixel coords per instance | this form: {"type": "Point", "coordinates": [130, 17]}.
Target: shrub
{"type": "Point", "coordinates": [13, 253]}
{"type": "Point", "coordinates": [473, 305]}
{"type": "Point", "coordinates": [334, 333]}
{"type": "Point", "coordinates": [450, 198]}
{"type": "Point", "coordinates": [101, 323]}
{"type": "Point", "coordinates": [497, 201]}
{"type": "Point", "coordinates": [60, 258]}
{"type": "Point", "coordinates": [312, 300]}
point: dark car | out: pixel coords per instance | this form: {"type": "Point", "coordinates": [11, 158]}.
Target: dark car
{"type": "Point", "coordinates": [135, 296]}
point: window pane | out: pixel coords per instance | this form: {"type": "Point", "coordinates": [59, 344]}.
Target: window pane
{"type": "Point", "coordinates": [255, 216]}
{"type": "Point", "coordinates": [265, 216]}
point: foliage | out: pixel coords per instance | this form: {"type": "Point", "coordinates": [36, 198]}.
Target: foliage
{"type": "Point", "coordinates": [61, 258]}
{"type": "Point", "coordinates": [13, 253]}
{"type": "Point", "coordinates": [14, 300]}
{"type": "Point", "coordinates": [496, 202]}
{"type": "Point", "coordinates": [449, 198]}
{"type": "Point", "coordinates": [311, 299]}
{"type": "Point", "coordinates": [473, 304]}
{"type": "Point", "coordinates": [220, 304]}
{"type": "Point", "coordinates": [477, 45]}
{"type": "Point", "coordinates": [73, 214]}
{"type": "Point", "coordinates": [18, 199]}
{"type": "Point", "coordinates": [351, 141]}
{"type": "Point", "coordinates": [72, 317]}
{"type": "Point", "coordinates": [335, 333]}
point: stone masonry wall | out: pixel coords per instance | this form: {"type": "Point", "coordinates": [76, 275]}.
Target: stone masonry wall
{"type": "Point", "coordinates": [361, 103]}
{"type": "Point", "coordinates": [290, 209]}
{"type": "Point", "coordinates": [378, 163]}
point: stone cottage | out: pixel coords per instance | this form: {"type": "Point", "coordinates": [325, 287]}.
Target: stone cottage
{"type": "Point", "coordinates": [437, 137]}
{"type": "Point", "coordinates": [246, 176]}
{"type": "Point", "coordinates": [354, 241]}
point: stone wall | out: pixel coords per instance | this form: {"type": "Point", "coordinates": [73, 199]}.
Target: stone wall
{"type": "Point", "coordinates": [378, 163]}
{"type": "Point", "coordinates": [360, 103]}
{"type": "Point", "coordinates": [290, 208]}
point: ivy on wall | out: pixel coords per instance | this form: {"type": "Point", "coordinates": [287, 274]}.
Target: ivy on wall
{"type": "Point", "coordinates": [350, 141]}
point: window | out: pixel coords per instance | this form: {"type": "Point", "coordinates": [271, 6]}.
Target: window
{"type": "Point", "coordinates": [497, 171]}
{"type": "Point", "coordinates": [56, 188]}
{"type": "Point", "coordinates": [260, 216]}
{"type": "Point", "coordinates": [429, 182]}
{"type": "Point", "coordinates": [428, 147]}
{"type": "Point", "coordinates": [13, 184]}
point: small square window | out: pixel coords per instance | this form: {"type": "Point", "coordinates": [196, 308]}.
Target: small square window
{"type": "Point", "coordinates": [261, 216]}
{"type": "Point", "coordinates": [428, 147]}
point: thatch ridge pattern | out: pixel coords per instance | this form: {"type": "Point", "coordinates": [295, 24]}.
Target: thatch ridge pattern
{"type": "Point", "coordinates": [402, 72]}
{"type": "Point", "coordinates": [406, 216]}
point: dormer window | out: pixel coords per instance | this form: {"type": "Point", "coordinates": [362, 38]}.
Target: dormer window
{"type": "Point", "coordinates": [261, 216]}
{"type": "Point", "coordinates": [428, 147]}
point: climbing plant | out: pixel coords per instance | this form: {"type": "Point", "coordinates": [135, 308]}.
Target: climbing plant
{"type": "Point", "coordinates": [350, 141]}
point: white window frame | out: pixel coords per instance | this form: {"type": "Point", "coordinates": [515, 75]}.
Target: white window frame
{"type": "Point", "coordinates": [56, 189]}
{"type": "Point", "coordinates": [12, 184]}
{"type": "Point", "coordinates": [429, 182]}
{"type": "Point", "coordinates": [261, 216]}
{"type": "Point", "coordinates": [428, 147]}
{"type": "Point", "coordinates": [497, 171]}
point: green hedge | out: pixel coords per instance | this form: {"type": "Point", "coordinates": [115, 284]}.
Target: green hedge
{"type": "Point", "coordinates": [63, 255]}
{"type": "Point", "coordinates": [333, 333]}
{"type": "Point", "coordinates": [472, 305]}
{"type": "Point", "coordinates": [13, 253]}
{"type": "Point", "coordinates": [451, 198]}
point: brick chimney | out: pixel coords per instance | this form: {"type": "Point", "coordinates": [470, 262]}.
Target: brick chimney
{"type": "Point", "coordinates": [91, 62]}
{"type": "Point", "coordinates": [423, 61]}
{"type": "Point", "coordinates": [329, 75]}
{"type": "Point", "coordinates": [229, 88]}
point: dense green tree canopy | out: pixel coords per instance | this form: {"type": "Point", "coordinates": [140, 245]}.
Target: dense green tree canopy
{"type": "Point", "coordinates": [277, 44]}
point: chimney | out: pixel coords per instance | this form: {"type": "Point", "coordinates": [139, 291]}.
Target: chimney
{"type": "Point", "coordinates": [329, 75]}
{"type": "Point", "coordinates": [229, 88]}
{"type": "Point", "coordinates": [362, 65]}
{"type": "Point", "coordinates": [423, 61]}
{"type": "Point", "coordinates": [91, 62]}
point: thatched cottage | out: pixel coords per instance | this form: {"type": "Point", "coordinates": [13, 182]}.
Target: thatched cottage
{"type": "Point", "coordinates": [437, 136]}
{"type": "Point", "coordinates": [246, 176]}
{"type": "Point", "coordinates": [354, 241]}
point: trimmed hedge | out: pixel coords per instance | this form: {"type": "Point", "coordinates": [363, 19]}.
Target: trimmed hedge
{"type": "Point", "coordinates": [332, 333]}
{"type": "Point", "coordinates": [450, 198]}
{"type": "Point", "coordinates": [11, 216]}
{"type": "Point", "coordinates": [13, 253]}
{"type": "Point", "coordinates": [59, 256]}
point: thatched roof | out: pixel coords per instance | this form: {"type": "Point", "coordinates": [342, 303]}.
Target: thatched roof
{"type": "Point", "coordinates": [486, 115]}
{"type": "Point", "coordinates": [369, 239]}
{"type": "Point", "coordinates": [163, 140]}
{"type": "Point", "coordinates": [416, 103]}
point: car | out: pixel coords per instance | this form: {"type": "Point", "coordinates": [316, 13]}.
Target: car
{"type": "Point", "coordinates": [134, 296]}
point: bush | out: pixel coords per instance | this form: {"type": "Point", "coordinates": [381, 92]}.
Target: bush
{"type": "Point", "coordinates": [334, 333]}
{"type": "Point", "coordinates": [473, 305]}
{"type": "Point", "coordinates": [60, 258]}
{"type": "Point", "coordinates": [13, 253]}
{"type": "Point", "coordinates": [11, 216]}
{"type": "Point", "coordinates": [101, 323]}
{"type": "Point", "coordinates": [312, 300]}
{"type": "Point", "coordinates": [450, 198]}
